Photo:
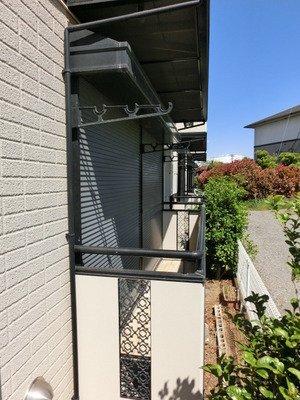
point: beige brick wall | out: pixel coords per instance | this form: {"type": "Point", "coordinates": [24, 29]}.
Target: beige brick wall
{"type": "Point", "coordinates": [35, 317]}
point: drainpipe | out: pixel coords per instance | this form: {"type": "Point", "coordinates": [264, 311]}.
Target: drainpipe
{"type": "Point", "coordinates": [71, 234]}
{"type": "Point", "coordinates": [67, 76]}
{"type": "Point", "coordinates": [138, 14]}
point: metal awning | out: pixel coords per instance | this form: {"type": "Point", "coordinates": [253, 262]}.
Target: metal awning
{"type": "Point", "coordinates": [196, 143]}
{"type": "Point", "coordinates": [112, 67]}
{"type": "Point", "coordinates": [195, 137]}
{"type": "Point", "coordinates": [172, 48]}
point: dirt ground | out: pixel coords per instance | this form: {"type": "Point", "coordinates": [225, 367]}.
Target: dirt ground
{"type": "Point", "coordinates": [214, 296]}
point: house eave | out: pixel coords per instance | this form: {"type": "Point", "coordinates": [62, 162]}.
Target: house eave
{"type": "Point", "coordinates": [291, 112]}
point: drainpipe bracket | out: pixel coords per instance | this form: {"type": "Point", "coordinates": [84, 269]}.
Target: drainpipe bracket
{"type": "Point", "coordinates": [68, 237]}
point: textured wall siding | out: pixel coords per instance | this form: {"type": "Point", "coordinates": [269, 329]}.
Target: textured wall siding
{"type": "Point", "coordinates": [35, 326]}
{"type": "Point", "coordinates": [278, 131]}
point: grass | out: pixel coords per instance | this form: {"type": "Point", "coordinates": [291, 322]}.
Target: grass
{"type": "Point", "coordinates": [262, 205]}
{"type": "Point", "coordinates": [256, 205]}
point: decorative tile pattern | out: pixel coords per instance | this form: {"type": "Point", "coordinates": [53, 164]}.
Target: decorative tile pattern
{"type": "Point", "coordinates": [182, 230]}
{"type": "Point", "coordinates": [135, 339]}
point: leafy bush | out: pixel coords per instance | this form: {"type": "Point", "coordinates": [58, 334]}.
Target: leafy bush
{"type": "Point", "coordinates": [225, 224]}
{"type": "Point", "coordinates": [265, 160]}
{"type": "Point", "coordinates": [270, 361]}
{"type": "Point", "coordinates": [245, 172]}
{"type": "Point", "coordinates": [257, 182]}
{"type": "Point", "coordinates": [291, 228]}
{"type": "Point", "coordinates": [280, 180]}
{"type": "Point", "coordinates": [287, 158]}
{"type": "Point", "coordinates": [212, 164]}
{"type": "Point", "coordinates": [250, 247]}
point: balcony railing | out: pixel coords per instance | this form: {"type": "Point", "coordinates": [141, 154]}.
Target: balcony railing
{"type": "Point", "coordinates": [184, 202]}
{"type": "Point", "coordinates": [141, 332]}
{"type": "Point", "coordinates": [185, 243]}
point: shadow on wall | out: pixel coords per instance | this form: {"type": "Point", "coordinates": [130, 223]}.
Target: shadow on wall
{"type": "Point", "coordinates": [183, 391]}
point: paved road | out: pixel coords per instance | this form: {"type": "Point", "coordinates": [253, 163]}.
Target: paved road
{"type": "Point", "coordinates": [266, 232]}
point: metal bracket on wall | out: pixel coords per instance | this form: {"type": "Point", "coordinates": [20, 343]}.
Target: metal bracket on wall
{"type": "Point", "coordinates": [181, 148]}
{"type": "Point", "coordinates": [156, 110]}
{"type": "Point", "coordinates": [151, 147]}
{"type": "Point", "coordinates": [169, 158]}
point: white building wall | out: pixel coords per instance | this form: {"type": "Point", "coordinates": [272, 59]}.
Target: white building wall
{"type": "Point", "coordinates": [35, 317]}
{"type": "Point", "coordinates": [277, 131]}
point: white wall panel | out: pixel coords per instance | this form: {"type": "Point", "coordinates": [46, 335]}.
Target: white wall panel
{"type": "Point", "coordinates": [98, 337]}
{"type": "Point", "coordinates": [177, 314]}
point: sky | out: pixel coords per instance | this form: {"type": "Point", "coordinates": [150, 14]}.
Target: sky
{"type": "Point", "coordinates": [254, 69]}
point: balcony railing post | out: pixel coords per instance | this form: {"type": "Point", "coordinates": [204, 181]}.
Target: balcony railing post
{"type": "Point", "coordinates": [184, 267]}
{"type": "Point", "coordinates": [171, 202]}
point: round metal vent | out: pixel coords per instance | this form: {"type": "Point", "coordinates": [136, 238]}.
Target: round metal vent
{"type": "Point", "coordinates": [39, 390]}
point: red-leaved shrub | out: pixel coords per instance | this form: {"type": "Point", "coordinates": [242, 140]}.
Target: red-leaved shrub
{"type": "Point", "coordinates": [286, 180]}
{"type": "Point", "coordinates": [281, 179]}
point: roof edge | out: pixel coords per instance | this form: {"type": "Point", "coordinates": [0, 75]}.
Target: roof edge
{"type": "Point", "coordinates": [281, 115]}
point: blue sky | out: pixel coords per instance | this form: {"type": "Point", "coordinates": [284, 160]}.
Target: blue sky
{"type": "Point", "coordinates": [254, 69]}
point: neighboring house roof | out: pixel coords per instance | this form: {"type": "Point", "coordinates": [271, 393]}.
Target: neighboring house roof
{"type": "Point", "coordinates": [282, 115]}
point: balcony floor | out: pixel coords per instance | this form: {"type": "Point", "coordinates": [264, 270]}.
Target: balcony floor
{"type": "Point", "coordinates": [169, 265]}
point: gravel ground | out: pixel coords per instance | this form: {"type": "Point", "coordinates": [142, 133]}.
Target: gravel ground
{"type": "Point", "coordinates": [266, 232]}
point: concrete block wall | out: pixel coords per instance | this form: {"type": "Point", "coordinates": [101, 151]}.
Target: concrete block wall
{"type": "Point", "coordinates": [35, 316]}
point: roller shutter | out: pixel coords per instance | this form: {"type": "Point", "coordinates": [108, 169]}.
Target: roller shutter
{"type": "Point", "coordinates": [109, 186]}
{"type": "Point", "coordinates": [152, 202]}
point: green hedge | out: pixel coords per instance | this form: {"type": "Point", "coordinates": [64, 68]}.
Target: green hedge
{"type": "Point", "coordinates": [225, 224]}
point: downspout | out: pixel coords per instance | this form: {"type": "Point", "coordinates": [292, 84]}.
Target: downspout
{"type": "Point", "coordinates": [67, 77]}
{"type": "Point", "coordinates": [71, 234]}
{"type": "Point", "coordinates": [138, 14]}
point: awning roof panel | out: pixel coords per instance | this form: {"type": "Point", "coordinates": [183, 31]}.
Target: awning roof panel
{"type": "Point", "coordinates": [166, 45]}
{"type": "Point", "coordinates": [112, 68]}
{"type": "Point", "coordinates": [180, 75]}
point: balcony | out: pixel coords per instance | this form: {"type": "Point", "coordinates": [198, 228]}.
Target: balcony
{"type": "Point", "coordinates": [141, 331]}
{"type": "Point", "coordinates": [137, 263]}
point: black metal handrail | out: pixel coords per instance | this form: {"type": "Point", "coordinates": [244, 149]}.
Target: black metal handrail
{"type": "Point", "coordinates": [141, 274]}
{"type": "Point", "coordinates": [184, 200]}
{"type": "Point", "coordinates": [177, 197]}
{"type": "Point", "coordinates": [132, 251]}
{"type": "Point", "coordinates": [184, 197]}
{"type": "Point", "coordinates": [198, 256]}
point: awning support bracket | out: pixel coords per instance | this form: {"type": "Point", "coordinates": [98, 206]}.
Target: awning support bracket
{"type": "Point", "coordinates": [152, 147]}
{"type": "Point", "coordinates": [169, 158]}
{"type": "Point", "coordinates": [181, 147]}
{"type": "Point", "coordinates": [130, 114]}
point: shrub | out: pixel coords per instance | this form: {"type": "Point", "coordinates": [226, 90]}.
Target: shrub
{"type": "Point", "coordinates": [287, 158]}
{"type": "Point", "coordinates": [265, 160]}
{"type": "Point", "coordinates": [250, 247]}
{"type": "Point", "coordinates": [284, 180]}
{"type": "Point", "coordinates": [257, 182]}
{"type": "Point", "coordinates": [291, 228]}
{"type": "Point", "coordinates": [225, 224]}
{"type": "Point", "coordinates": [270, 361]}
{"type": "Point", "coordinates": [213, 164]}
{"type": "Point", "coordinates": [287, 180]}
{"type": "Point", "coordinates": [245, 172]}
{"type": "Point", "coordinates": [265, 182]}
